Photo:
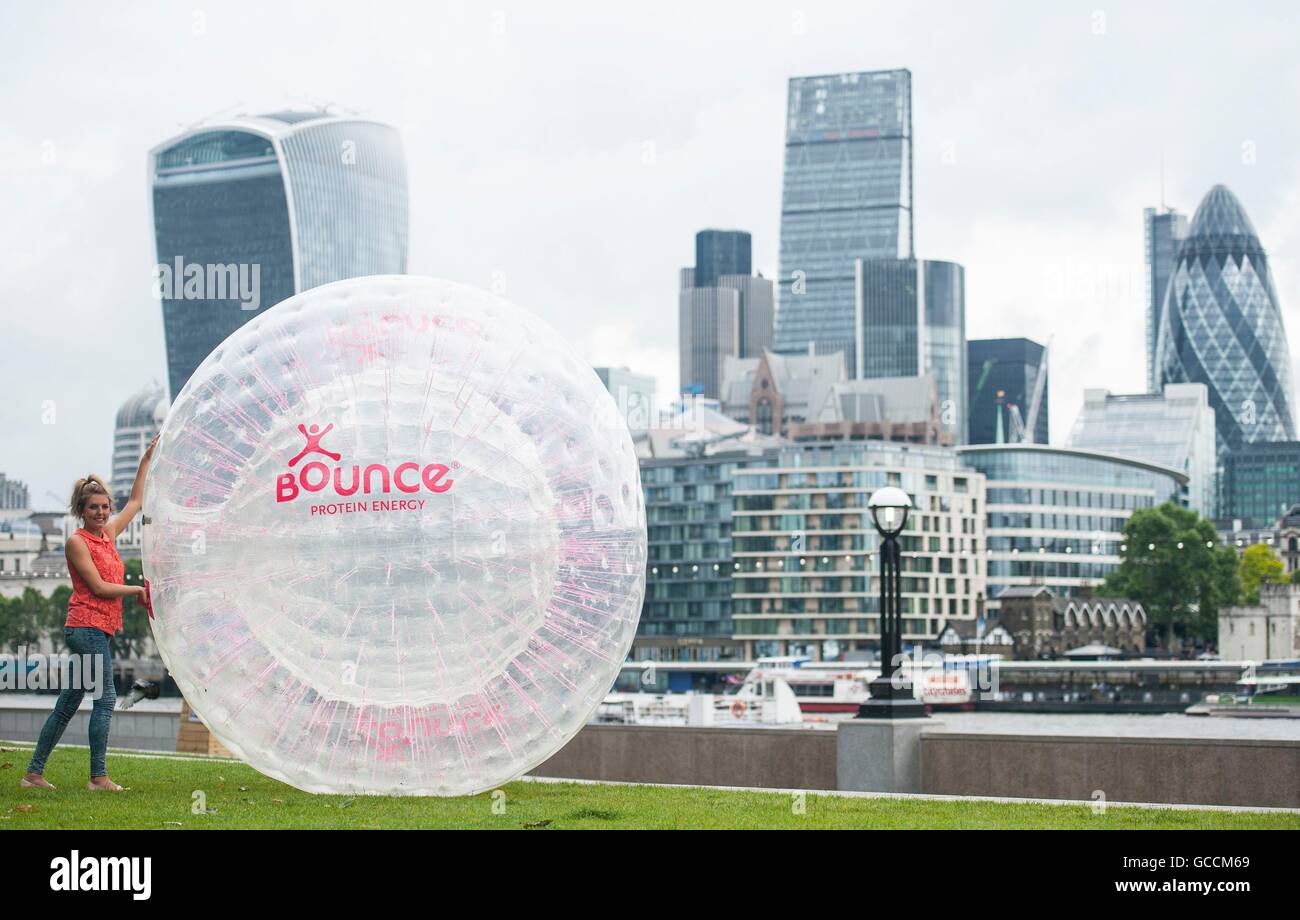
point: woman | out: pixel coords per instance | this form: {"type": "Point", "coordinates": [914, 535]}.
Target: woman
{"type": "Point", "coordinates": [94, 614]}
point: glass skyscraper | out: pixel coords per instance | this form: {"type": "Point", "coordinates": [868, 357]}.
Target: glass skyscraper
{"type": "Point", "coordinates": [1163, 230]}
{"type": "Point", "coordinates": [1002, 373]}
{"type": "Point", "coordinates": [909, 318]}
{"type": "Point", "coordinates": [1056, 515]}
{"type": "Point", "coordinates": [847, 195]}
{"type": "Point", "coordinates": [1174, 429]}
{"type": "Point", "coordinates": [757, 306]}
{"type": "Point", "coordinates": [708, 331]}
{"type": "Point", "coordinates": [1221, 326]}
{"type": "Point", "coordinates": [721, 252]}
{"type": "Point", "coordinates": [1262, 482]}
{"type": "Point", "coordinates": [251, 210]}
{"type": "Point", "coordinates": [722, 310]}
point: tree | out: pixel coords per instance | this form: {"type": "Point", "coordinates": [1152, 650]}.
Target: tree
{"type": "Point", "coordinates": [1259, 566]}
{"type": "Point", "coordinates": [1172, 563]}
{"type": "Point", "coordinates": [8, 612]}
{"type": "Point", "coordinates": [32, 617]}
{"type": "Point", "coordinates": [27, 613]}
{"type": "Point", "coordinates": [56, 615]}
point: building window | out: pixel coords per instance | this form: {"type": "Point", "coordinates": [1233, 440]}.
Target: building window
{"type": "Point", "coordinates": [765, 416]}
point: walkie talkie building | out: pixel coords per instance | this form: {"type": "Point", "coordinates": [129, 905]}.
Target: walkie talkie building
{"type": "Point", "coordinates": [251, 210]}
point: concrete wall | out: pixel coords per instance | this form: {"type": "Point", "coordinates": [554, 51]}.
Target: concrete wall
{"type": "Point", "coordinates": [769, 757]}
{"type": "Point", "coordinates": [145, 731]}
{"type": "Point", "coordinates": [1173, 770]}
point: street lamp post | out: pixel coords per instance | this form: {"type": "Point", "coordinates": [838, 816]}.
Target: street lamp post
{"type": "Point", "coordinates": [889, 507]}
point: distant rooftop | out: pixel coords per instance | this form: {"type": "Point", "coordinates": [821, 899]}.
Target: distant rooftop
{"type": "Point", "coordinates": [292, 118]}
{"type": "Point", "coordinates": [143, 408]}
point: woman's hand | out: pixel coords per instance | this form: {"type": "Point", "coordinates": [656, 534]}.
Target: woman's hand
{"type": "Point", "coordinates": [135, 500]}
{"type": "Point", "coordinates": [139, 593]}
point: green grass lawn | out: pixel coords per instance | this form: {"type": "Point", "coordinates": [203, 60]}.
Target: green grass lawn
{"type": "Point", "coordinates": [163, 794]}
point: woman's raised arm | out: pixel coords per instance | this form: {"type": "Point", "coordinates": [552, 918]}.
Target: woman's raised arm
{"type": "Point", "coordinates": [133, 503]}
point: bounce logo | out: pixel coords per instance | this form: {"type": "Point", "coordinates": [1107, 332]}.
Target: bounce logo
{"type": "Point", "coordinates": [316, 476]}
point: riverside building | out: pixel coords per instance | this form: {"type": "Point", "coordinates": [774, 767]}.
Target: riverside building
{"type": "Point", "coordinates": [805, 566]}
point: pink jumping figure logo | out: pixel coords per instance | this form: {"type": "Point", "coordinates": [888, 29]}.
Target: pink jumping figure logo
{"type": "Point", "coordinates": [313, 436]}
{"type": "Point", "coordinates": [357, 479]}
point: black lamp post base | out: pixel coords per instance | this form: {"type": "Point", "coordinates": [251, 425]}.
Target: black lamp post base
{"type": "Point", "coordinates": [892, 709]}
{"type": "Point", "coordinates": [889, 702]}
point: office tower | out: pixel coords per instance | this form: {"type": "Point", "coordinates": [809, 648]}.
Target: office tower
{"type": "Point", "coordinates": [634, 393]}
{"type": "Point", "coordinates": [718, 253]}
{"type": "Point", "coordinates": [708, 329]}
{"type": "Point", "coordinates": [1002, 385]}
{"type": "Point", "coordinates": [1056, 515]}
{"type": "Point", "coordinates": [1173, 428]}
{"type": "Point", "coordinates": [1221, 326]}
{"type": "Point", "coordinates": [847, 195]}
{"type": "Point", "coordinates": [1261, 482]}
{"type": "Point", "coordinates": [1163, 230]}
{"type": "Point", "coordinates": [13, 494]}
{"type": "Point", "coordinates": [251, 210]}
{"type": "Point", "coordinates": [804, 547]}
{"type": "Point", "coordinates": [910, 319]}
{"type": "Point", "coordinates": [757, 308]}
{"type": "Point", "coordinates": [723, 310]}
{"type": "Point", "coordinates": [138, 420]}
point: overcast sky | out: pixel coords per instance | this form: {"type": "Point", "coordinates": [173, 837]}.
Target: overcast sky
{"type": "Point", "coordinates": [576, 148]}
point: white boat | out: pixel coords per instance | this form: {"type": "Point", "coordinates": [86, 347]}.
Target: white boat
{"type": "Point", "coordinates": [789, 690]}
{"type": "Point", "coordinates": [842, 687]}
{"type": "Point", "coordinates": [761, 701]}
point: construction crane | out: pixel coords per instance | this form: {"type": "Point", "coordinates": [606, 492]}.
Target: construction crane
{"type": "Point", "coordinates": [1021, 427]}
{"type": "Point", "coordinates": [1036, 401]}
{"type": "Point", "coordinates": [1016, 425]}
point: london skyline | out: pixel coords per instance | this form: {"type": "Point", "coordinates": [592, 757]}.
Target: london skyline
{"type": "Point", "coordinates": [571, 174]}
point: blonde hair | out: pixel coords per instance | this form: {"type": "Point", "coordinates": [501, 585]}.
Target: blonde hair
{"type": "Point", "coordinates": [81, 492]}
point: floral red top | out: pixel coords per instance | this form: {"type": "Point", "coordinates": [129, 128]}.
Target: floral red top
{"type": "Point", "coordinates": [84, 608]}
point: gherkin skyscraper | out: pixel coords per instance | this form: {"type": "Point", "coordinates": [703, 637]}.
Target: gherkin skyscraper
{"type": "Point", "coordinates": [1221, 326]}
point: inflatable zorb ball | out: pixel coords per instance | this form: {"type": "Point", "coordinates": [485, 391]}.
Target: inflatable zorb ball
{"type": "Point", "coordinates": [395, 539]}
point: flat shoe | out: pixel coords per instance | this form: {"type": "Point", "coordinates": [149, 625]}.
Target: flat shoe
{"type": "Point", "coordinates": [111, 787]}
{"type": "Point", "coordinates": [28, 784]}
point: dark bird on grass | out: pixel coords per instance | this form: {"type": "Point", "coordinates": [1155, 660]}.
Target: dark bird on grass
{"type": "Point", "coordinates": [140, 690]}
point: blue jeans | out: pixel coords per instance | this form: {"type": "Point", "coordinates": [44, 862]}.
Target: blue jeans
{"type": "Point", "coordinates": [94, 648]}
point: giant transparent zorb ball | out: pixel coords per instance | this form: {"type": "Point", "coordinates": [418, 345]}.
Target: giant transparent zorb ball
{"type": "Point", "coordinates": [395, 539]}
